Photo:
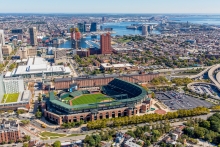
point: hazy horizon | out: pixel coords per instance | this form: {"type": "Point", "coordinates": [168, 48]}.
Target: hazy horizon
{"type": "Point", "coordinates": [112, 7]}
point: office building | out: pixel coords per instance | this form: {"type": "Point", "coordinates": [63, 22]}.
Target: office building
{"type": "Point", "coordinates": [23, 53]}
{"type": "Point", "coordinates": [2, 37]}
{"type": "Point", "coordinates": [87, 27]}
{"type": "Point", "coordinates": [2, 43]}
{"type": "Point", "coordinates": [145, 30]}
{"type": "Point", "coordinates": [83, 53]}
{"type": "Point", "coordinates": [60, 56]}
{"type": "Point", "coordinates": [69, 27]}
{"type": "Point", "coordinates": [9, 131]}
{"type": "Point", "coordinates": [13, 85]}
{"type": "Point", "coordinates": [33, 36]}
{"type": "Point", "coordinates": [59, 53]}
{"type": "Point", "coordinates": [93, 27]}
{"type": "Point", "coordinates": [105, 42]}
{"type": "Point", "coordinates": [103, 19]}
{"type": "Point", "coordinates": [16, 31]}
{"type": "Point", "coordinates": [32, 51]}
{"type": "Point", "coordinates": [2, 90]}
{"type": "Point", "coordinates": [81, 27]}
{"type": "Point", "coordinates": [6, 50]}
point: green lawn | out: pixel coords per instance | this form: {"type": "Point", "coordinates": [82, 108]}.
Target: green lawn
{"type": "Point", "coordinates": [49, 134]}
{"type": "Point", "coordinates": [89, 99]}
{"type": "Point", "coordinates": [10, 98]}
{"type": "Point", "coordinates": [72, 135]}
{"type": "Point", "coordinates": [67, 98]}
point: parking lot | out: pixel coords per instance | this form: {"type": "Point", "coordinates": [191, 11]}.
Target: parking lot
{"type": "Point", "coordinates": [175, 100]}
{"type": "Point", "coordinates": [206, 89]}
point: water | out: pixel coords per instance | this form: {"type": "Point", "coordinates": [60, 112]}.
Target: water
{"type": "Point", "coordinates": [197, 19]}
{"type": "Point", "coordinates": [119, 28]}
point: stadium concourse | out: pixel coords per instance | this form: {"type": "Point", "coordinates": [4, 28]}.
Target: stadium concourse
{"type": "Point", "coordinates": [117, 98]}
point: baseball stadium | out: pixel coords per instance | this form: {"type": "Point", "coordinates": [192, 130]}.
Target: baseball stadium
{"type": "Point", "coordinates": [116, 99]}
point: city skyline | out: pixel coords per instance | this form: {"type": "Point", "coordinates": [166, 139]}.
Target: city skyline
{"type": "Point", "coordinates": [113, 6]}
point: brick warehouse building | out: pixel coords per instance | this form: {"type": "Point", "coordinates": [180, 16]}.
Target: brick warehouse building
{"type": "Point", "coordinates": [137, 101]}
{"type": "Point", "coordinates": [97, 81]}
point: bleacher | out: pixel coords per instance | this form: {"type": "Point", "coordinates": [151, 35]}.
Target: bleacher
{"type": "Point", "coordinates": [123, 87]}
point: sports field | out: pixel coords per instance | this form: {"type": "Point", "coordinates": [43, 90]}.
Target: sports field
{"type": "Point", "coordinates": [89, 99]}
{"type": "Point", "coordinates": [9, 98]}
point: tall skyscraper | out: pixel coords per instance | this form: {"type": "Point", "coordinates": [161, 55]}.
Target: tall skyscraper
{"type": "Point", "coordinates": [145, 30]}
{"type": "Point", "coordinates": [105, 41]}
{"type": "Point", "coordinates": [93, 27]}
{"type": "Point", "coordinates": [2, 43]}
{"type": "Point", "coordinates": [103, 19]}
{"type": "Point", "coordinates": [33, 36]}
{"type": "Point", "coordinates": [80, 27]}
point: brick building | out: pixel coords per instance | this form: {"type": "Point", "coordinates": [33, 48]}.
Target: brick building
{"type": "Point", "coordinates": [105, 42]}
{"type": "Point", "coordinates": [84, 82]}
{"type": "Point", "coordinates": [130, 103]}
{"type": "Point", "coordinates": [9, 131]}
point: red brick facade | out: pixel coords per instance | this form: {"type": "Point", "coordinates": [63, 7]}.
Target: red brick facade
{"type": "Point", "coordinates": [93, 82]}
{"type": "Point", "coordinates": [112, 113]}
{"type": "Point", "coordinates": [105, 43]}
{"type": "Point", "coordinates": [9, 136]}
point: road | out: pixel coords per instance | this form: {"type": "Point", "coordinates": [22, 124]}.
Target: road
{"type": "Point", "coordinates": [179, 69]}
{"type": "Point", "coordinates": [72, 67]}
{"type": "Point", "coordinates": [211, 77]}
{"type": "Point", "coordinates": [81, 137]}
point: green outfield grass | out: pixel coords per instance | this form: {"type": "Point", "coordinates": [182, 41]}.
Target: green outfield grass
{"type": "Point", "coordinates": [9, 98]}
{"type": "Point", "coordinates": [89, 99]}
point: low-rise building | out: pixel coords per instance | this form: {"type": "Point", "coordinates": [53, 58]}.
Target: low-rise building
{"type": "Point", "coordinates": [38, 67]}
{"type": "Point", "coordinates": [6, 50]}
{"type": "Point", "coordinates": [32, 51]}
{"type": "Point", "coordinates": [9, 131]}
{"type": "Point", "coordinates": [122, 66]}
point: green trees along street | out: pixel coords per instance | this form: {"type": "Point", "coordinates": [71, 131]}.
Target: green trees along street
{"type": "Point", "coordinates": [123, 121]}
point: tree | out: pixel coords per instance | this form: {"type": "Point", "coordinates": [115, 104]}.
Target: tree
{"type": "Point", "coordinates": [10, 111]}
{"type": "Point", "coordinates": [27, 138]}
{"type": "Point", "coordinates": [38, 114]}
{"type": "Point", "coordinates": [25, 144]}
{"type": "Point", "coordinates": [153, 95]}
{"type": "Point", "coordinates": [204, 124]}
{"type": "Point", "coordinates": [57, 144]}
{"type": "Point", "coordinates": [25, 122]}
{"type": "Point", "coordinates": [20, 111]}
{"type": "Point", "coordinates": [147, 143]}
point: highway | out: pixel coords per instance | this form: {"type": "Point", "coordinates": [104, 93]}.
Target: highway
{"type": "Point", "coordinates": [212, 78]}
{"type": "Point", "coordinates": [179, 69]}
{"type": "Point", "coordinates": [218, 77]}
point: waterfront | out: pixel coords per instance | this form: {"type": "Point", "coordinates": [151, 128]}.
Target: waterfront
{"type": "Point", "coordinates": [197, 19]}
{"type": "Point", "coordinates": [119, 28]}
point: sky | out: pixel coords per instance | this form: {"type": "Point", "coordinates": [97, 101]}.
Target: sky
{"type": "Point", "coordinates": [110, 6]}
